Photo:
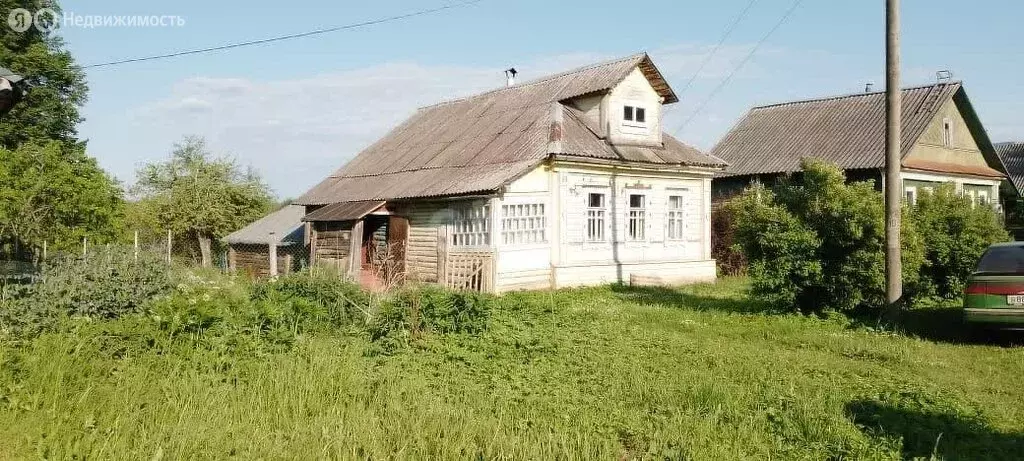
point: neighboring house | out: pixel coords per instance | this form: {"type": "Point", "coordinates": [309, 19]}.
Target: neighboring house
{"type": "Point", "coordinates": [249, 247]}
{"type": "Point", "coordinates": [566, 180]}
{"type": "Point", "coordinates": [943, 141]}
{"type": "Point", "coordinates": [1012, 156]}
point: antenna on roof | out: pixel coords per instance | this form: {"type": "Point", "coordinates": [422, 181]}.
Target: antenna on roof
{"type": "Point", "coordinates": [869, 87]}
{"type": "Point", "coordinates": [943, 76]}
{"type": "Point", "coordinates": [510, 74]}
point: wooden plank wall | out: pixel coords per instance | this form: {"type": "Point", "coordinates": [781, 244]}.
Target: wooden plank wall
{"type": "Point", "coordinates": [333, 245]}
{"type": "Point", "coordinates": [254, 260]}
{"type": "Point", "coordinates": [426, 229]}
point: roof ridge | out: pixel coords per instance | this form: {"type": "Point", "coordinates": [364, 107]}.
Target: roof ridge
{"type": "Point", "coordinates": [853, 95]}
{"type": "Point", "coordinates": [539, 80]}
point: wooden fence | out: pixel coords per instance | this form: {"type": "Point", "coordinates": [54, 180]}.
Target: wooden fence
{"type": "Point", "coordinates": [469, 270]}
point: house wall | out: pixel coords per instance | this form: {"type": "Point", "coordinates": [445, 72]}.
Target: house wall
{"type": "Point", "coordinates": [254, 260]}
{"type": "Point", "coordinates": [979, 189]}
{"type": "Point", "coordinates": [634, 90]}
{"type": "Point", "coordinates": [930, 147]}
{"type": "Point", "coordinates": [593, 109]}
{"type": "Point", "coordinates": [332, 245]}
{"type": "Point", "coordinates": [567, 258]}
{"type": "Point", "coordinates": [427, 222]}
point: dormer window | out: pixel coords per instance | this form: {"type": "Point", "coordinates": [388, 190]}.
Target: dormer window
{"type": "Point", "coordinates": [634, 116]}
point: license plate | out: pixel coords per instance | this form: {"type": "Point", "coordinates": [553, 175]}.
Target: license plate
{"type": "Point", "coordinates": [1015, 299]}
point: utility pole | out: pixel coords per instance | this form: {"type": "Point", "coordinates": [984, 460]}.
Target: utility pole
{"type": "Point", "coordinates": [893, 154]}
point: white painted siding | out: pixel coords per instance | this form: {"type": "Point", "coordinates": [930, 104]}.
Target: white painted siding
{"type": "Point", "coordinates": [634, 90]}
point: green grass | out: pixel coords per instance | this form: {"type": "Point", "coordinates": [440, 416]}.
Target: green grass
{"type": "Point", "coordinates": [602, 373]}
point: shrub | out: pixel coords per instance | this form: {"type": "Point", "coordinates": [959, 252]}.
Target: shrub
{"type": "Point", "coordinates": [412, 311]}
{"type": "Point", "coordinates": [338, 302]}
{"type": "Point", "coordinates": [816, 243]}
{"type": "Point", "coordinates": [957, 234]}
{"type": "Point", "coordinates": [729, 260]}
{"type": "Point", "coordinates": [106, 284]}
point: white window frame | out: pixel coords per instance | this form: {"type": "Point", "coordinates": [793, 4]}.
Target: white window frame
{"type": "Point", "coordinates": [596, 224]}
{"type": "Point", "coordinates": [947, 132]}
{"type": "Point", "coordinates": [910, 194]}
{"type": "Point", "coordinates": [675, 217]}
{"type": "Point", "coordinates": [471, 225]}
{"type": "Point", "coordinates": [632, 122]}
{"type": "Point", "coordinates": [636, 218]}
{"type": "Point", "coordinates": [524, 224]}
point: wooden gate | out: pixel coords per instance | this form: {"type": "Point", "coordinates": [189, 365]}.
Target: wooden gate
{"type": "Point", "coordinates": [469, 270]}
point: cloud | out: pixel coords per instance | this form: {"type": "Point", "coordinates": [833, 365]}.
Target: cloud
{"type": "Point", "coordinates": [295, 131]}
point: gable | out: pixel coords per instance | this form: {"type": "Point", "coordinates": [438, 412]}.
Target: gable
{"type": "Point", "coordinates": [930, 147]}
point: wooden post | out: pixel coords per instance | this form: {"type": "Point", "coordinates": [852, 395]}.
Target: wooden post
{"type": "Point", "coordinates": [272, 251]}
{"type": "Point", "coordinates": [85, 246]}
{"type": "Point", "coordinates": [169, 246]}
{"type": "Point", "coordinates": [136, 245]}
{"type": "Point", "coordinates": [355, 253]}
{"type": "Point", "coordinates": [44, 250]}
{"type": "Point", "coordinates": [893, 154]}
{"type": "Point", "coordinates": [232, 258]}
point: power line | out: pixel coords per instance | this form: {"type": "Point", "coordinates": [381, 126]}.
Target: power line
{"type": "Point", "coordinates": [285, 37]}
{"type": "Point", "coordinates": [749, 55]}
{"type": "Point", "coordinates": [721, 41]}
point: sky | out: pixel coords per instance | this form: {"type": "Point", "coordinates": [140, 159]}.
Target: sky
{"type": "Point", "coordinates": [297, 110]}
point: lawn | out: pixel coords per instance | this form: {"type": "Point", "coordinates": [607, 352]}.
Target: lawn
{"type": "Point", "coordinates": [601, 373]}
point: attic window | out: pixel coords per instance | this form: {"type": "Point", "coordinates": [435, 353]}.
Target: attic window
{"type": "Point", "coordinates": [947, 132]}
{"type": "Point", "coordinates": [634, 115]}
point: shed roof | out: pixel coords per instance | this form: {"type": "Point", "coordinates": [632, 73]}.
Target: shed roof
{"type": "Point", "coordinates": [1012, 155]}
{"type": "Point", "coordinates": [344, 211]}
{"type": "Point", "coordinates": [286, 224]}
{"type": "Point", "coordinates": [846, 130]}
{"type": "Point", "coordinates": [480, 143]}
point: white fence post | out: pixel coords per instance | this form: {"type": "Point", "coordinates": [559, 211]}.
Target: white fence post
{"type": "Point", "coordinates": [168, 246]}
{"type": "Point", "coordinates": [136, 245]}
{"type": "Point", "coordinates": [272, 250]}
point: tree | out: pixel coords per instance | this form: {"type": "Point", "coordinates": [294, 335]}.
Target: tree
{"type": "Point", "coordinates": [56, 194]}
{"type": "Point", "coordinates": [201, 197]}
{"type": "Point", "coordinates": [816, 242]}
{"type": "Point", "coordinates": [50, 111]}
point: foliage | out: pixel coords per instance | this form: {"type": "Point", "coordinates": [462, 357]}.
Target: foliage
{"type": "Point", "coordinates": [50, 111]}
{"type": "Point", "coordinates": [55, 194]}
{"type": "Point", "coordinates": [339, 303]}
{"type": "Point", "coordinates": [816, 243]}
{"type": "Point", "coordinates": [415, 310]}
{"type": "Point", "coordinates": [594, 373]}
{"type": "Point", "coordinates": [957, 233]}
{"type": "Point", "coordinates": [108, 283]}
{"type": "Point", "coordinates": [200, 197]}
{"type": "Point", "coordinates": [730, 261]}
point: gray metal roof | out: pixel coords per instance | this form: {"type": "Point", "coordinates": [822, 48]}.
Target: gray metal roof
{"type": "Point", "coordinates": [480, 143]}
{"type": "Point", "coordinates": [344, 211]}
{"type": "Point", "coordinates": [846, 130]}
{"type": "Point", "coordinates": [1012, 155]}
{"type": "Point", "coordinates": [286, 224]}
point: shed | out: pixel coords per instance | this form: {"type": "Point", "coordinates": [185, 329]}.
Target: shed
{"type": "Point", "coordinates": [249, 247]}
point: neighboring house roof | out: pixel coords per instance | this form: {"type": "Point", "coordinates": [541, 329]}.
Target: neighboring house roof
{"type": "Point", "coordinates": [481, 143]}
{"type": "Point", "coordinates": [1012, 155]}
{"type": "Point", "coordinates": [286, 224]}
{"type": "Point", "coordinates": [846, 130]}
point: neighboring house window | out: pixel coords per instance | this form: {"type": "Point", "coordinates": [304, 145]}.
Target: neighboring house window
{"type": "Point", "coordinates": [595, 217]}
{"type": "Point", "coordinates": [523, 224]}
{"type": "Point", "coordinates": [471, 225]}
{"type": "Point", "coordinates": [637, 216]}
{"type": "Point", "coordinates": [982, 197]}
{"type": "Point", "coordinates": [634, 115]}
{"type": "Point", "coordinates": [676, 223]}
{"type": "Point", "coordinates": [947, 132]}
{"type": "Point", "coordinates": [911, 195]}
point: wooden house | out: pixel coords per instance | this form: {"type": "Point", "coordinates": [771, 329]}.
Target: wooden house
{"type": "Point", "coordinates": [249, 248]}
{"type": "Point", "coordinates": [566, 180]}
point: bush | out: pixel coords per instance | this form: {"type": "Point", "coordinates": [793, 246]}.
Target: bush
{"type": "Point", "coordinates": [729, 260]}
{"type": "Point", "coordinates": [816, 243]}
{"type": "Point", "coordinates": [338, 302]}
{"type": "Point", "coordinates": [415, 310]}
{"type": "Point", "coordinates": [106, 284]}
{"type": "Point", "coordinates": [957, 234]}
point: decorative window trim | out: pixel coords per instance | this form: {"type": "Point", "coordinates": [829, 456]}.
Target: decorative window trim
{"type": "Point", "coordinates": [471, 225]}
{"type": "Point", "coordinates": [596, 224]}
{"type": "Point", "coordinates": [636, 218]}
{"type": "Point", "coordinates": [675, 218]}
{"type": "Point", "coordinates": [523, 224]}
